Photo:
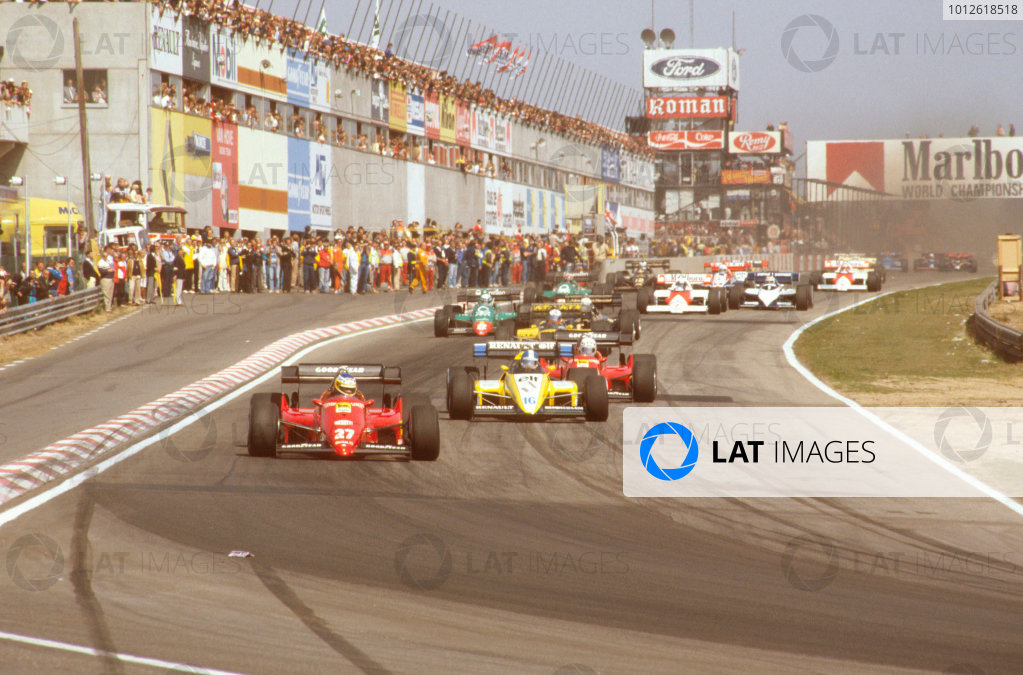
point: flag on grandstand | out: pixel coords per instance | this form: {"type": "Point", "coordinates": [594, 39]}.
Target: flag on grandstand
{"type": "Point", "coordinates": [609, 217]}
{"type": "Point", "coordinates": [521, 67]}
{"type": "Point", "coordinates": [501, 52]}
{"type": "Point", "coordinates": [482, 48]}
{"type": "Point", "coordinates": [374, 39]}
{"type": "Point", "coordinates": [321, 24]}
{"type": "Point", "coordinates": [511, 61]}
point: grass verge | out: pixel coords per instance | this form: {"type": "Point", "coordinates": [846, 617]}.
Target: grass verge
{"type": "Point", "coordinates": [912, 348]}
{"type": "Point", "coordinates": [37, 342]}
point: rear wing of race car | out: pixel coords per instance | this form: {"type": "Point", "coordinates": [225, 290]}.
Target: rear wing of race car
{"type": "Point", "coordinates": [609, 300]}
{"type": "Point", "coordinates": [634, 264]}
{"type": "Point", "coordinates": [603, 339]}
{"type": "Point", "coordinates": [859, 264]}
{"type": "Point", "coordinates": [675, 277]}
{"type": "Point", "coordinates": [309, 373]}
{"type": "Point", "coordinates": [780, 277]}
{"type": "Point", "coordinates": [539, 310]}
{"type": "Point", "coordinates": [501, 349]}
{"type": "Point", "coordinates": [499, 295]}
{"type": "Point", "coordinates": [736, 265]}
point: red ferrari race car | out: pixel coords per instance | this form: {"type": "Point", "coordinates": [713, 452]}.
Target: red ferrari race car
{"type": "Point", "coordinates": [633, 379]}
{"type": "Point", "coordinates": [341, 421]}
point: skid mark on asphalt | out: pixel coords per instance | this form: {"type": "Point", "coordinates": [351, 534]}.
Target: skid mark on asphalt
{"type": "Point", "coordinates": [82, 583]}
{"type": "Point", "coordinates": [273, 582]}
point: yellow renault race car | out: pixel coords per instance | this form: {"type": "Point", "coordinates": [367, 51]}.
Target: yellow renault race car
{"type": "Point", "coordinates": [525, 389]}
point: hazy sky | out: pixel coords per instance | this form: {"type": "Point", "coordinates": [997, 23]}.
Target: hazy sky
{"type": "Point", "coordinates": [893, 67]}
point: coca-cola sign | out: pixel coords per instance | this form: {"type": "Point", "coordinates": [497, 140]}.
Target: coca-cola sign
{"type": "Point", "coordinates": [686, 140]}
{"type": "Point", "coordinates": [685, 67]}
{"type": "Point", "coordinates": [754, 142]}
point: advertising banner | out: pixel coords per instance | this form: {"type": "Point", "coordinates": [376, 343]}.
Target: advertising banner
{"type": "Point", "coordinates": [262, 180]}
{"type": "Point", "coordinates": [225, 175]}
{"type": "Point", "coordinates": [299, 187]}
{"type": "Point", "coordinates": [502, 136]}
{"type": "Point", "coordinates": [432, 115]}
{"type": "Point", "coordinates": [181, 169]}
{"type": "Point", "coordinates": [447, 119]}
{"type": "Point", "coordinates": [299, 76]}
{"type": "Point", "coordinates": [415, 114]}
{"type": "Point", "coordinates": [195, 62]}
{"type": "Point", "coordinates": [224, 59]}
{"type": "Point", "coordinates": [482, 129]}
{"type": "Point", "coordinates": [165, 42]}
{"type": "Point", "coordinates": [319, 87]}
{"type": "Point", "coordinates": [686, 107]}
{"type": "Point", "coordinates": [686, 140]}
{"type": "Point", "coordinates": [380, 103]}
{"type": "Point", "coordinates": [262, 70]}
{"type": "Point", "coordinates": [961, 169]}
{"type": "Point", "coordinates": [398, 112]}
{"type": "Point", "coordinates": [745, 176]}
{"type": "Point", "coordinates": [610, 164]}
{"type": "Point", "coordinates": [320, 171]}
{"type": "Point", "coordinates": [690, 68]}
{"type": "Point", "coordinates": [754, 142]}
{"type": "Point", "coordinates": [463, 128]}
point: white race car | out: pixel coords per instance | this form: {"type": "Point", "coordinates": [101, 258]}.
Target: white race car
{"type": "Point", "coordinates": [776, 290]}
{"type": "Point", "coordinates": [676, 293]}
{"type": "Point", "coordinates": [849, 275]}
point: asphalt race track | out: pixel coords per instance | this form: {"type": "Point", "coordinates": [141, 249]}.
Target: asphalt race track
{"type": "Point", "coordinates": [514, 552]}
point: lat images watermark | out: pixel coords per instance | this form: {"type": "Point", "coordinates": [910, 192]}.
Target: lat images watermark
{"type": "Point", "coordinates": [37, 42]}
{"type": "Point", "coordinates": [425, 561]}
{"type": "Point", "coordinates": [36, 562]}
{"type": "Point", "coordinates": [812, 562]}
{"type": "Point", "coordinates": [810, 43]}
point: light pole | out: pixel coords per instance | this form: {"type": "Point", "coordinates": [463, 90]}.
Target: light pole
{"type": "Point", "coordinates": [62, 180]}
{"type": "Point", "coordinates": [19, 181]}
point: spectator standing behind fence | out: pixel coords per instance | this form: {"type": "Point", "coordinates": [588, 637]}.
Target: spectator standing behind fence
{"type": "Point", "coordinates": [207, 260]}
{"type": "Point", "coordinates": [107, 271]}
{"type": "Point", "coordinates": [152, 270]}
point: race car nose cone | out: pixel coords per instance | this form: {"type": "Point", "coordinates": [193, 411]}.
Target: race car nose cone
{"type": "Point", "coordinates": [482, 327]}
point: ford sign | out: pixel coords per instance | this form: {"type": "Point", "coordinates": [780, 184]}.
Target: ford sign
{"type": "Point", "coordinates": [685, 67]}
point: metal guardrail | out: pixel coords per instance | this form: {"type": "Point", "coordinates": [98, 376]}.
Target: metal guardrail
{"type": "Point", "coordinates": [1005, 341]}
{"type": "Point", "coordinates": [42, 313]}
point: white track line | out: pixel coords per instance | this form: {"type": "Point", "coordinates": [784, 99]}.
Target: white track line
{"type": "Point", "coordinates": [124, 658]}
{"type": "Point", "coordinates": [974, 482]}
{"type": "Point", "coordinates": [189, 419]}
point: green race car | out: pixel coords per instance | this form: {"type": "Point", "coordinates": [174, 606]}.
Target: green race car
{"type": "Point", "coordinates": [479, 313]}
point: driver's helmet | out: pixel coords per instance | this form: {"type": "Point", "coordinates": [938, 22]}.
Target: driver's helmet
{"type": "Point", "coordinates": [486, 298]}
{"type": "Point", "coordinates": [529, 361]}
{"type": "Point", "coordinates": [587, 305]}
{"type": "Point", "coordinates": [587, 346]}
{"type": "Point", "coordinates": [344, 384]}
{"type": "Point", "coordinates": [642, 264]}
{"type": "Point", "coordinates": [554, 316]}
{"type": "Point", "coordinates": [771, 279]}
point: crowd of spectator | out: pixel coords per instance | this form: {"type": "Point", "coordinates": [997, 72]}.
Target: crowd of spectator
{"type": "Point", "coordinates": [15, 94]}
{"type": "Point", "coordinates": [353, 261]}
{"type": "Point", "coordinates": [254, 23]}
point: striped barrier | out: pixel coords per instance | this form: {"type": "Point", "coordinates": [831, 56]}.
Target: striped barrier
{"type": "Point", "coordinates": [60, 459]}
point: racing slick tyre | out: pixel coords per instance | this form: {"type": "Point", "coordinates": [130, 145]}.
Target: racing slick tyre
{"type": "Point", "coordinates": [441, 321]}
{"type": "Point", "coordinates": [410, 401]}
{"type": "Point", "coordinates": [423, 431]}
{"type": "Point", "coordinates": [804, 297]}
{"type": "Point", "coordinates": [629, 323]}
{"type": "Point", "coordinates": [611, 278]}
{"type": "Point", "coordinates": [816, 277]}
{"type": "Point", "coordinates": [530, 293]}
{"type": "Point", "coordinates": [461, 396]}
{"type": "Point", "coordinates": [724, 300]}
{"type": "Point", "coordinates": [644, 298]}
{"type": "Point", "coordinates": [644, 378]}
{"type": "Point", "coordinates": [715, 300]}
{"type": "Point", "coordinates": [505, 330]}
{"type": "Point", "coordinates": [579, 376]}
{"type": "Point", "coordinates": [735, 293]}
{"type": "Point", "coordinates": [873, 282]}
{"type": "Point", "coordinates": [264, 424]}
{"type": "Point", "coordinates": [595, 398]}
{"type": "Point", "coordinates": [522, 318]}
